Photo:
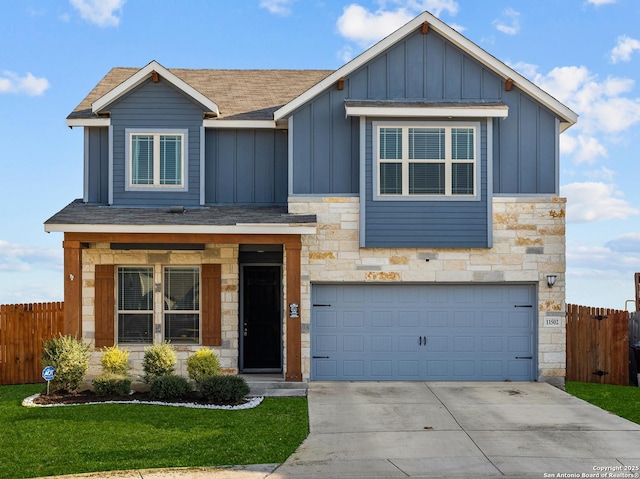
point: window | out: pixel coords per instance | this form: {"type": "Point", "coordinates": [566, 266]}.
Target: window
{"type": "Point", "coordinates": [156, 159]}
{"type": "Point", "coordinates": [426, 160]}
{"type": "Point", "coordinates": [179, 297]}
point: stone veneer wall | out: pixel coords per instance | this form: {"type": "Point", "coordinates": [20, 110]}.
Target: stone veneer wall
{"type": "Point", "coordinates": [226, 255]}
{"type": "Point", "coordinates": [528, 244]}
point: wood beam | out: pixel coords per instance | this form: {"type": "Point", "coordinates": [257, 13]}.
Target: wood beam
{"type": "Point", "coordinates": [186, 238]}
{"type": "Point", "coordinates": [72, 288]}
{"type": "Point", "coordinates": [293, 311]}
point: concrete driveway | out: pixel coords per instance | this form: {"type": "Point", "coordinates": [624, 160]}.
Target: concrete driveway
{"type": "Point", "coordinates": [417, 429]}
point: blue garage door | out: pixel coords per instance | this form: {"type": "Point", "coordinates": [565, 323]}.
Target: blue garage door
{"type": "Point", "coordinates": [423, 332]}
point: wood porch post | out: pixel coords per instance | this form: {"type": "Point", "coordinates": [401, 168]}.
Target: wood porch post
{"type": "Point", "coordinates": [293, 311]}
{"type": "Point", "coordinates": [72, 288]}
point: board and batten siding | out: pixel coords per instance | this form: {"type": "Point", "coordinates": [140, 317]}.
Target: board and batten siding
{"type": "Point", "coordinates": [246, 167]}
{"type": "Point", "coordinates": [156, 106]}
{"type": "Point", "coordinates": [96, 167]}
{"type": "Point", "coordinates": [432, 223]}
{"type": "Point", "coordinates": [426, 68]}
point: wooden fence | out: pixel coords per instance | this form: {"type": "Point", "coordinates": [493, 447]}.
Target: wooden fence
{"type": "Point", "coordinates": [597, 345]}
{"type": "Point", "coordinates": [634, 347]}
{"type": "Point", "coordinates": [23, 330]}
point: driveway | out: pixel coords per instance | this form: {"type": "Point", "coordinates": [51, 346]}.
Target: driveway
{"type": "Point", "coordinates": [396, 429]}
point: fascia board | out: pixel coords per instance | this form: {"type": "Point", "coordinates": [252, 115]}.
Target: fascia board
{"type": "Point", "coordinates": [246, 228]}
{"type": "Point", "coordinates": [501, 112]}
{"type": "Point", "coordinates": [71, 122]}
{"type": "Point", "coordinates": [259, 124]}
{"type": "Point", "coordinates": [568, 115]}
{"type": "Point", "coordinates": [140, 76]}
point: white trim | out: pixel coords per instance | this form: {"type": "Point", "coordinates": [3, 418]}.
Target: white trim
{"type": "Point", "coordinates": [140, 76]}
{"type": "Point", "coordinates": [71, 122]}
{"type": "Point", "coordinates": [569, 116]}
{"type": "Point", "coordinates": [240, 228]}
{"type": "Point", "coordinates": [254, 124]}
{"type": "Point", "coordinates": [428, 112]}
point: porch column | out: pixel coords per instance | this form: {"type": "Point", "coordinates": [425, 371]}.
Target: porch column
{"type": "Point", "coordinates": [293, 311]}
{"type": "Point", "coordinates": [72, 288]}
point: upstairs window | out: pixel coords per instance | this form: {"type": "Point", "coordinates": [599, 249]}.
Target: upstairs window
{"type": "Point", "coordinates": [426, 160]}
{"type": "Point", "coordinates": [156, 159]}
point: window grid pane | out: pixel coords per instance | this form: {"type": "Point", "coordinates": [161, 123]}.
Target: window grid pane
{"type": "Point", "coordinates": [390, 178]}
{"type": "Point", "coordinates": [426, 143]}
{"type": "Point", "coordinates": [135, 305]}
{"type": "Point", "coordinates": [182, 304]}
{"type": "Point", "coordinates": [426, 178]}
{"type": "Point", "coordinates": [142, 160]}
{"type": "Point", "coordinates": [170, 160]}
{"type": "Point", "coordinates": [390, 143]}
{"type": "Point", "coordinates": [462, 178]}
{"type": "Point", "coordinates": [462, 144]}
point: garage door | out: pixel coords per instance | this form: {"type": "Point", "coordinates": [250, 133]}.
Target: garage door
{"type": "Point", "coordinates": [423, 332]}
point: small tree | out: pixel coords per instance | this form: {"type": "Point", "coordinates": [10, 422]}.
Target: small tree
{"type": "Point", "coordinates": [159, 360]}
{"type": "Point", "coordinates": [115, 379]}
{"type": "Point", "coordinates": [70, 358]}
{"type": "Point", "coordinates": [203, 364]}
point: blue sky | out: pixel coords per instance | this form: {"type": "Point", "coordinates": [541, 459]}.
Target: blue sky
{"type": "Point", "coordinates": [584, 52]}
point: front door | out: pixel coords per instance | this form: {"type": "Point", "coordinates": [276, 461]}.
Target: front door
{"type": "Point", "coordinates": [261, 318]}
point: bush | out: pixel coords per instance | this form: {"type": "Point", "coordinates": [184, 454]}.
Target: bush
{"type": "Point", "coordinates": [115, 361]}
{"type": "Point", "coordinates": [70, 358]}
{"type": "Point", "coordinates": [224, 389]}
{"type": "Point", "coordinates": [203, 364]}
{"type": "Point", "coordinates": [159, 360]}
{"type": "Point", "coordinates": [112, 384]}
{"type": "Point", "coordinates": [169, 386]}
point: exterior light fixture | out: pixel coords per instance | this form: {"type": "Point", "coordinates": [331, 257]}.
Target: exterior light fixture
{"type": "Point", "coordinates": [551, 280]}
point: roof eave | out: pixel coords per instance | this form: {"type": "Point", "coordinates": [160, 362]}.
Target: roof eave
{"type": "Point", "coordinates": [239, 228]}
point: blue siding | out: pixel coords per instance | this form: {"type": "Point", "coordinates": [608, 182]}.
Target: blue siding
{"type": "Point", "coordinates": [436, 224]}
{"type": "Point", "coordinates": [423, 67]}
{"type": "Point", "coordinates": [156, 106]}
{"type": "Point", "coordinates": [246, 167]}
{"type": "Point", "coordinates": [97, 164]}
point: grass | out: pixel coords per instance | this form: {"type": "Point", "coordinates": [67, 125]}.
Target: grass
{"type": "Point", "coordinates": [70, 440]}
{"type": "Point", "coordinates": [623, 401]}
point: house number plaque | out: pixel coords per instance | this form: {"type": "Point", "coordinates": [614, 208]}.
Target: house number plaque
{"type": "Point", "coordinates": [294, 310]}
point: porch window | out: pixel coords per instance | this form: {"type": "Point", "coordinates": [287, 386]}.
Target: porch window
{"type": "Point", "coordinates": [156, 159]}
{"type": "Point", "coordinates": [426, 159]}
{"type": "Point", "coordinates": [135, 305]}
{"type": "Point", "coordinates": [182, 305]}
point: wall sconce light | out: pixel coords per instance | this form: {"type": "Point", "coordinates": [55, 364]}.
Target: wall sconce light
{"type": "Point", "coordinates": [551, 280]}
{"type": "Point", "coordinates": [71, 277]}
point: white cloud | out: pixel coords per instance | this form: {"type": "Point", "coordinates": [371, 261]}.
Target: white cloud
{"type": "Point", "coordinates": [104, 13]}
{"type": "Point", "coordinates": [508, 22]}
{"type": "Point", "coordinates": [28, 85]}
{"type": "Point", "coordinates": [585, 149]}
{"type": "Point", "coordinates": [277, 7]}
{"type": "Point", "coordinates": [597, 3]}
{"type": "Point", "coordinates": [624, 49]}
{"type": "Point", "coordinates": [365, 27]}
{"type": "Point", "coordinates": [21, 258]}
{"type": "Point", "coordinates": [626, 243]}
{"type": "Point", "coordinates": [594, 201]}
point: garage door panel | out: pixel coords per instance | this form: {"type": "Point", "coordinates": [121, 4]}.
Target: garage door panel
{"type": "Point", "coordinates": [423, 332]}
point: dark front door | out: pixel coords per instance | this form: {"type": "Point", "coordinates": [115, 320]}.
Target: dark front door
{"type": "Point", "coordinates": [261, 318]}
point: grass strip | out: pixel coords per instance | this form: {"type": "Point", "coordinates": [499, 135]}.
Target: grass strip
{"type": "Point", "coordinates": [623, 401]}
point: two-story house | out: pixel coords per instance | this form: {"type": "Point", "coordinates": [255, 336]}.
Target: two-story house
{"type": "Point", "coordinates": [395, 219]}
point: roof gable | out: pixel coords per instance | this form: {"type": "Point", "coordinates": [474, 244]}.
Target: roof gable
{"type": "Point", "coordinates": [566, 115]}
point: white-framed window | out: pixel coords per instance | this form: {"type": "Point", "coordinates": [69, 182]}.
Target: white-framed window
{"type": "Point", "coordinates": [421, 160]}
{"type": "Point", "coordinates": [156, 159]}
{"type": "Point", "coordinates": [173, 307]}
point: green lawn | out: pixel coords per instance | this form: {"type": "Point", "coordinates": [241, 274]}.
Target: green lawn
{"type": "Point", "coordinates": [68, 440]}
{"type": "Point", "coordinates": [623, 401]}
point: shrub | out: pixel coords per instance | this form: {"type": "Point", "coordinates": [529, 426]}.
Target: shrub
{"type": "Point", "coordinates": [112, 384]}
{"type": "Point", "coordinates": [159, 360]}
{"type": "Point", "coordinates": [224, 389]}
{"type": "Point", "coordinates": [70, 358]}
{"type": "Point", "coordinates": [115, 361]}
{"type": "Point", "coordinates": [203, 364]}
{"type": "Point", "coordinates": [169, 386]}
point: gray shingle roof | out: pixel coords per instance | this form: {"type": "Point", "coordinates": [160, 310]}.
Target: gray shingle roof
{"type": "Point", "coordinates": [240, 94]}
{"type": "Point", "coordinates": [79, 213]}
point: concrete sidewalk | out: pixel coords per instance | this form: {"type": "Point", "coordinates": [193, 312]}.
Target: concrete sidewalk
{"type": "Point", "coordinates": [443, 430]}
{"type": "Point", "coordinates": [458, 430]}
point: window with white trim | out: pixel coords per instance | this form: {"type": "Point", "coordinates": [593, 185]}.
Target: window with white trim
{"type": "Point", "coordinates": [156, 159]}
{"type": "Point", "coordinates": [137, 305]}
{"type": "Point", "coordinates": [425, 159]}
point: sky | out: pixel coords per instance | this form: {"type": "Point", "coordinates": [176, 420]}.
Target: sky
{"type": "Point", "coordinates": [586, 53]}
